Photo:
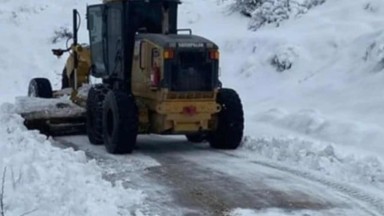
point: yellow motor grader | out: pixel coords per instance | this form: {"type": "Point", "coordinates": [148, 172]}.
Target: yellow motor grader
{"type": "Point", "coordinates": [156, 78]}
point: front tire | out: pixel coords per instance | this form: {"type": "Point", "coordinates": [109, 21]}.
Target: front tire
{"type": "Point", "coordinates": [120, 122]}
{"type": "Point", "coordinates": [94, 107]}
{"type": "Point", "coordinates": [40, 87]}
{"type": "Point", "coordinates": [230, 125]}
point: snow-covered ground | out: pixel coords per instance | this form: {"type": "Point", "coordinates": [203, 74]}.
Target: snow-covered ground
{"type": "Point", "coordinates": [323, 115]}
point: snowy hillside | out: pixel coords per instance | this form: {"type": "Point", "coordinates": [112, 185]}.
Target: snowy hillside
{"type": "Point", "coordinates": [312, 90]}
{"type": "Point", "coordinates": [312, 87]}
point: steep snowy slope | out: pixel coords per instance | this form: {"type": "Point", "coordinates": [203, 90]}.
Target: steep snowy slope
{"type": "Point", "coordinates": [333, 89]}
{"type": "Point", "coordinates": [324, 113]}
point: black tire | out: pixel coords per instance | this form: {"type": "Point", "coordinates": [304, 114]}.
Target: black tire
{"type": "Point", "coordinates": [64, 79]}
{"type": "Point", "coordinates": [120, 122]}
{"type": "Point", "coordinates": [196, 137]}
{"type": "Point", "coordinates": [40, 87]}
{"type": "Point", "coordinates": [230, 125]}
{"type": "Point", "coordinates": [94, 107]}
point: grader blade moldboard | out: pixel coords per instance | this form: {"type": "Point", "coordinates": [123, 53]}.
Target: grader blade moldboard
{"type": "Point", "coordinates": [54, 116]}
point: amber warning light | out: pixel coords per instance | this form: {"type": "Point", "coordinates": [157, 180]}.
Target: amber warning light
{"type": "Point", "coordinates": [214, 54]}
{"type": "Point", "coordinates": [169, 54]}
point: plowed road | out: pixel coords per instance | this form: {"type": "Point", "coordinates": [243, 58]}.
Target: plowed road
{"type": "Point", "coordinates": [181, 178]}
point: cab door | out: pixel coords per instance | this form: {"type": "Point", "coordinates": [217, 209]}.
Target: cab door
{"type": "Point", "coordinates": [114, 36]}
{"type": "Point", "coordinates": [98, 43]}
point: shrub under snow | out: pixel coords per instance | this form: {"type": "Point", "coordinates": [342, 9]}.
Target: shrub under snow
{"type": "Point", "coordinates": [375, 53]}
{"type": "Point", "coordinates": [273, 11]}
{"type": "Point", "coordinates": [284, 58]}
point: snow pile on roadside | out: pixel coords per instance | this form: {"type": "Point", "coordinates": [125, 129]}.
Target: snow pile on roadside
{"type": "Point", "coordinates": [45, 180]}
{"type": "Point", "coordinates": [292, 212]}
{"type": "Point", "coordinates": [320, 157]}
{"type": "Point", "coordinates": [311, 122]}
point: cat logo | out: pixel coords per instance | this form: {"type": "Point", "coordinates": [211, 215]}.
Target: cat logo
{"type": "Point", "coordinates": [191, 45]}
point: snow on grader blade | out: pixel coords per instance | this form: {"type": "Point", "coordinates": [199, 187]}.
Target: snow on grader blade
{"type": "Point", "coordinates": [60, 112]}
{"type": "Point", "coordinates": [52, 116]}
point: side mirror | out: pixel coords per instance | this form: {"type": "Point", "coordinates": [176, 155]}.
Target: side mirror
{"type": "Point", "coordinates": [58, 52]}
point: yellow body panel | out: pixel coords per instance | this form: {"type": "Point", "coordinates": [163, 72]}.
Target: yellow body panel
{"type": "Point", "coordinates": [160, 111]}
{"type": "Point", "coordinates": [84, 64]}
{"type": "Point", "coordinates": [165, 108]}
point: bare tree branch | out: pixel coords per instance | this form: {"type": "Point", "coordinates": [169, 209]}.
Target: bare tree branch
{"type": "Point", "coordinates": [2, 193]}
{"type": "Point", "coordinates": [29, 212]}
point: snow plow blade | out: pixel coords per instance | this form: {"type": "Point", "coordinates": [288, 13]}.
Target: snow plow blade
{"type": "Point", "coordinates": [54, 116]}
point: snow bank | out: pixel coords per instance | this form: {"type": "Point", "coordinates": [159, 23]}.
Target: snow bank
{"type": "Point", "coordinates": [319, 157]}
{"type": "Point", "coordinates": [45, 180]}
{"type": "Point", "coordinates": [311, 122]}
{"type": "Point", "coordinates": [287, 212]}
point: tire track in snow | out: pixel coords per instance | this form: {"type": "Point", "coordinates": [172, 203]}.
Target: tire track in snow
{"type": "Point", "coordinates": [193, 165]}
{"type": "Point", "coordinates": [195, 188]}
{"type": "Point", "coordinates": [216, 192]}
{"type": "Point", "coordinates": [350, 191]}
{"type": "Point", "coordinates": [194, 196]}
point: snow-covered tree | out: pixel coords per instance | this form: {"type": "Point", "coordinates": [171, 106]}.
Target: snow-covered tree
{"type": "Point", "coordinates": [273, 11]}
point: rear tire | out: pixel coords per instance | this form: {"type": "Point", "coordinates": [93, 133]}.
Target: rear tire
{"type": "Point", "coordinates": [120, 122]}
{"type": "Point", "coordinates": [94, 107]}
{"type": "Point", "coordinates": [40, 87]}
{"type": "Point", "coordinates": [230, 125]}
